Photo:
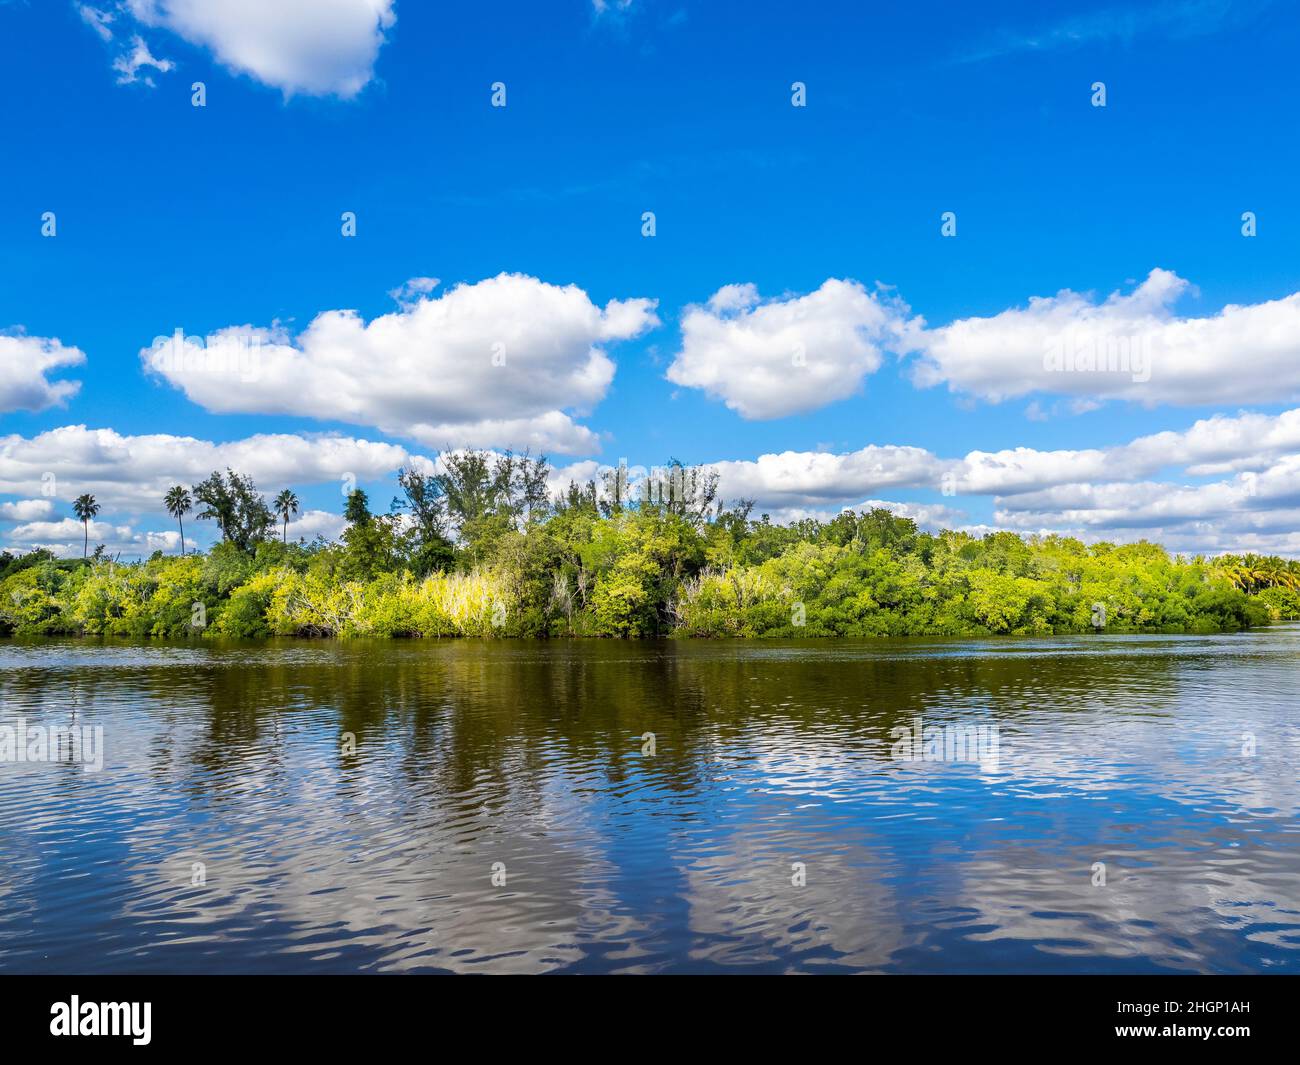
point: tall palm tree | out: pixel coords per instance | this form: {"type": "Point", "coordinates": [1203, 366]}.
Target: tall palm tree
{"type": "Point", "coordinates": [286, 505]}
{"type": "Point", "coordinates": [1271, 570]}
{"type": "Point", "coordinates": [178, 503]}
{"type": "Point", "coordinates": [85, 507]}
{"type": "Point", "coordinates": [1252, 569]}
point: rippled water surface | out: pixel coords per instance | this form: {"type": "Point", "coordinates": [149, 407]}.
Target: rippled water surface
{"type": "Point", "coordinates": [232, 765]}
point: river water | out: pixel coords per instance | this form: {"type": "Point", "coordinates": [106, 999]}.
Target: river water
{"type": "Point", "coordinates": [1124, 804]}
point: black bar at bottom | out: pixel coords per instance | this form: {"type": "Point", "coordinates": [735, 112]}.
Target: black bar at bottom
{"type": "Point", "coordinates": [376, 1013]}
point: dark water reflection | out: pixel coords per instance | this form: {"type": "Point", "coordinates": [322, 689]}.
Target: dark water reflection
{"type": "Point", "coordinates": [1121, 750]}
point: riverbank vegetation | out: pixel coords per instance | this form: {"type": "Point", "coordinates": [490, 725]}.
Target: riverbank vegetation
{"type": "Point", "coordinates": [480, 549]}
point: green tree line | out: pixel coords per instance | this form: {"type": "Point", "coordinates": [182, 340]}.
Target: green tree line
{"type": "Point", "coordinates": [482, 549]}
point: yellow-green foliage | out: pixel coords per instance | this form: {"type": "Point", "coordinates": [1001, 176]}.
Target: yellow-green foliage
{"type": "Point", "coordinates": [154, 599]}
{"type": "Point", "coordinates": [29, 601]}
{"type": "Point", "coordinates": [246, 612]}
{"type": "Point", "coordinates": [726, 602]}
{"type": "Point", "coordinates": [479, 603]}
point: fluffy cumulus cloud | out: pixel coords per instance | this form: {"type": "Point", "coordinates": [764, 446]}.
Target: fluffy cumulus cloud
{"type": "Point", "coordinates": [316, 47]}
{"type": "Point", "coordinates": [312, 47]}
{"type": "Point", "coordinates": [769, 359]}
{"type": "Point", "coordinates": [1212, 446]}
{"type": "Point", "coordinates": [27, 510]}
{"type": "Point", "coordinates": [67, 538]}
{"type": "Point", "coordinates": [1127, 346]}
{"type": "Point", "coordinates": [25, 365]}
{"type": "Point", "coordinates": [816, 478]}
{"type": "Point", "coordinates": [505, 362]}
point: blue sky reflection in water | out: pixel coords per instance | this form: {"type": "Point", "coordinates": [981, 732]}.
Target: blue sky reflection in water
{"type": "Point", "coordinates": [1125, 750]}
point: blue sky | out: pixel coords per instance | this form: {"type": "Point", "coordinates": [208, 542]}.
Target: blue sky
{"type": "Point", "coordinates": [170, 216]}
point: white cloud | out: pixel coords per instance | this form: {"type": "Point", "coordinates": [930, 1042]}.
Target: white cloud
{"type": "Point", "coordinates": [66, 539]}
{"type": "Point", "coordinates": [791, 481]}
{"type": "Point", "coordinates": [815, 478]}
{"type": "Point", "coordinates": [313, 523]}
{"type": "Point", "coordinates": [129, 474]}
{"type": "Point", "coordinates": [413, 290]}
{"type": "Point", "coordinates": [136, 63]}
{"type": "Point", "coordinates": [24, 363]}
{"type": "Point", "coordinates": [1125, 505]}
{"type": "Point", "coordinates": [315, 47]}
{"type": "Point", "coordinates": [1025, 469]}
{"type": "Point", "coordinates": [786, 356]}
{"type": "Point", "coordinates": [1129, 347]}
{"type": "Point", "coordinates": [770, 359]}
{"type": "Point", "coordinates": [27, 510]}
{"type": "Point", "coordinates": [98, 20]}
{"type": "Point", "coordinates": [1267, 497]}
{"type": "Point", "coordinates": [33, 531]}
{"type": "Point", "coordinates": [1211, 446]}
{"type": "Point", "coordinates": [1251, 509]}
{"type": "Point", "coordinates": [133, 62]}
{"type": "Point", "coordinates": [1255, 510]}
{"type": "Point", "coordinates": [502, 362]}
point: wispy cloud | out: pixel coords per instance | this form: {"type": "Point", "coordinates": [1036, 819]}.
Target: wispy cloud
{"type": "Point", "coordinates": [135, 65]}
{"type": "Point", "coordinates": [1174, 19]}
{"type": "Point", "coordinates": [99, 21]}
